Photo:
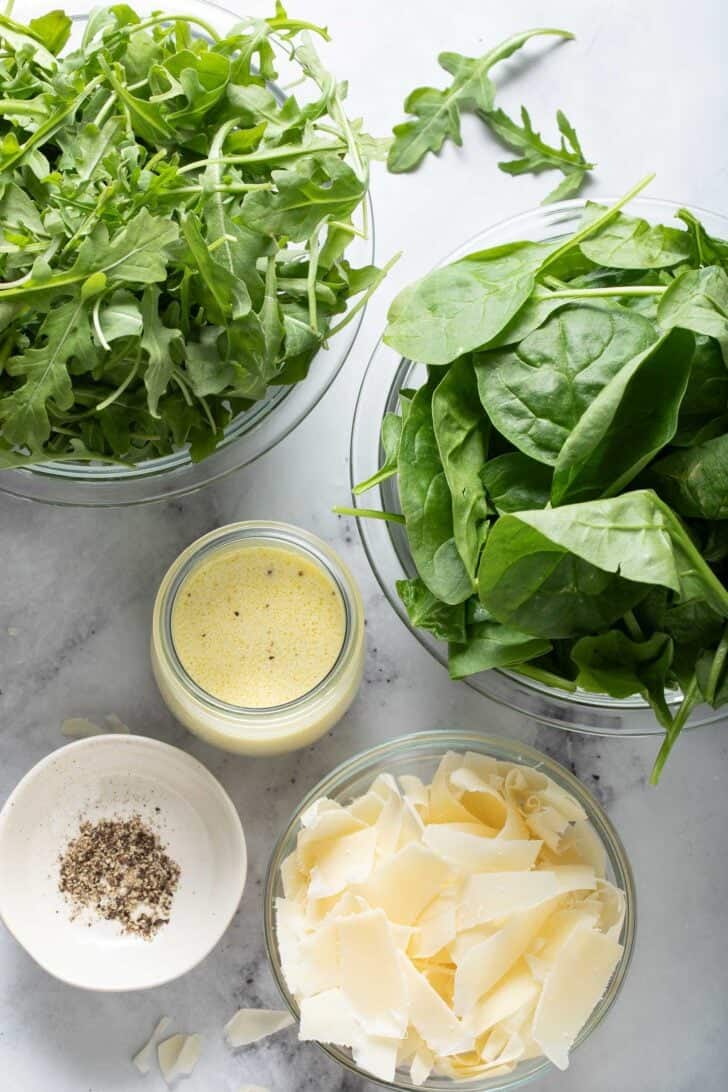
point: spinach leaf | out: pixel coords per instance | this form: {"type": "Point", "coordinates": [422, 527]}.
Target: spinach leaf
{"type": "Point", "coordinates": [711, 672]}
{"type": "Point", "coordinates": [390, 436]}
{"type": "Point", "coordinates": [628, 242]}
{"type": "Point", "coordinates": [427, 506]}
{"type": "Point", "coordinates": [489, 645]}
{"type": "Point", "coordinates": [695, 481]}
{"type": "Point", "coordinates": [629, 421]}
{"type": "Point", "coordinates": [706, 250]}
{"type": "Point", "coordinates": [697, 300]}
{"type": "Point", "coordinates": [540, 586]}
{"type": "Point", "coordinates": [705, 402]}
{"type": "Point", "coordinates": [426, 611]}
{"type": "Point", "coordinates": [462, 306]}
{"type": "Point", "coordinates": [514, 482]}
{"type": "Point", "coordinates": [536, 393]}
{"type": "Point", "coordinates": [461, 432]}
{"type": "Point", "coordinates": [436, 114]}
{"type": "Point", "coordinates": [613, 664]}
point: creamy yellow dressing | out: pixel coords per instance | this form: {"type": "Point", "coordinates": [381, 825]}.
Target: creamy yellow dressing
{"type": "Point", "coordinates": [258, 626]}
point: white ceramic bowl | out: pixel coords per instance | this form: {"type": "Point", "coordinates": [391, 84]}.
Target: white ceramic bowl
{"type": "Point", "coordinates": [119, 776]}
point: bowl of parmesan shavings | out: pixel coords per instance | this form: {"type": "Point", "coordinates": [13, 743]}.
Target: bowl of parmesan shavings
{"type": "Point", "coordinates": [122, 862]}
{"type": "Point", "coordinates": [449, 909]}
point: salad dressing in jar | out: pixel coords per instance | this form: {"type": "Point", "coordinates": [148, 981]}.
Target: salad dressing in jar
{"type": "Point", "coordinates": [258, 638]}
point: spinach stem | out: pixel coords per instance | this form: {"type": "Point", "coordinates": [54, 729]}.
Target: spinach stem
{"type": "Point", "coordinates": [605, 293]}
{"type": "Point", "coordinates": [635, 630]}
{"type": "Point", "coordinates": [381, 476]}
{"type": "Point", "coordinates": [690, 700]}
{"type": "Point", "coordinates": [595, 225]}
{"type": "Point", "coordinates": [716, 667]}
{"type": "Point", "coordinates": [368, 513]}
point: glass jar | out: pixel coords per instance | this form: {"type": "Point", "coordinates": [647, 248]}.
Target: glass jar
{"type": "Point", "coordinates": [420, 754]}
{"type": "Point", "coordinates": [386, 545]}
{"type": "Point", "coordinates": [276, 729]}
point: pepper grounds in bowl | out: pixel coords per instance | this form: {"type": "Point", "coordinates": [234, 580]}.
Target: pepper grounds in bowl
{"type": "Point", "coordinates": [118, 869]}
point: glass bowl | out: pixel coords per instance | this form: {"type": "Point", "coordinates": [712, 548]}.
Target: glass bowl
{"type": "Point", "coordinates": [420, 754]}
{"type": "Point", "coordinates": [251, 434]}
{"type": "Point", "coordinates": [385, 543]}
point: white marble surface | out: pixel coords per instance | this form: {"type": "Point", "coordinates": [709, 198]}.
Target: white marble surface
{"type": "Point", "coordinates": [645, 85]}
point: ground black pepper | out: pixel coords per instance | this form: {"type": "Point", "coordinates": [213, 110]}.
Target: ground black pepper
{"type": "Point", "coordinates": [118, 868]}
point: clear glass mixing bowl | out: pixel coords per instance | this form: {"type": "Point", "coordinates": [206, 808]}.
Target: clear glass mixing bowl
{"type": "Point", "coordinates": [385, 543]}
{"type": "Point", "coordinates": [250, 434]}
{"type": "Point", "coordinates": [420, 754]}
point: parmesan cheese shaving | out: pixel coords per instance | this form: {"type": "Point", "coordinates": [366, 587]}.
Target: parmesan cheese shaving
{"type": "Point", "coordinates": [178, 1056]}
{"type": "Point", "coordinates": [143, 1060]}
{"type": "Point", "coordinates": [251, 1025]}
{"type": "Point", "coordinates": [457, 928]}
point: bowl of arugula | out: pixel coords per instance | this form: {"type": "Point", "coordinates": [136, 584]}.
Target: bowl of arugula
{"type": "Point", "coordinates": [185, 251]}
{"type": "Point", "coordinates": [540, 465]}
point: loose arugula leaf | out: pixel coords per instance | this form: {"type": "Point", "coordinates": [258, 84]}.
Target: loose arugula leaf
{"type": "Point", "coordinates": [537, 155]}
{"type": "Point", "coordinates": [536, 394]}
{"type": "Point", "coordinates": [628, 423]}
{"type": "Point", "coordinates": [436, 114]}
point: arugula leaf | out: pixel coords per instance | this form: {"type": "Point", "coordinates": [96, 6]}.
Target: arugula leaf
{"type": "Point", "coordinates": [156, 341]}
{"type": "Point", "coordinates": [537, 155]}
{"type": "Point", "coordinates": [436, 114]}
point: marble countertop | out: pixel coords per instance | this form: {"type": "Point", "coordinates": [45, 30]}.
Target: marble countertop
{"type": "Point", "coordinates": [642, 84]}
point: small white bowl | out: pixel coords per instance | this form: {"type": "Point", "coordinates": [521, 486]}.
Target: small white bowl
{"type": "Point", "coordinates": [119, 776]}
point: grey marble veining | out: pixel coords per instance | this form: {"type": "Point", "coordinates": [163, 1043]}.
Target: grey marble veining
{"type": "Point", "coordinates": [645, 85]}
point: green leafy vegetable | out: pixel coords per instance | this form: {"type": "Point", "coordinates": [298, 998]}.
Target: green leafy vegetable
{"type": "Point", "coordinates": [563, 471]}
{"type": "Point", "coordinates": [537, 155]}
{"type": "Point", "coordinates": [173, 231]}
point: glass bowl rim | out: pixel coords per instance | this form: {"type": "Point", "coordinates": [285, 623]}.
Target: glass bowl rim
{"type": "Point", "coordinates": [248, 436]}
{"type": "Point", "coordinates": [571, 711]}
{"type": "Point", "coordinates": [435, 743]}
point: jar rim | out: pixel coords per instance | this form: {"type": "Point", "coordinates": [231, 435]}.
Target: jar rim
{"type": "Point", "coordinates": [282, 536]}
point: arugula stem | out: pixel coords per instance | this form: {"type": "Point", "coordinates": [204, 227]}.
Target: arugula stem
{"type": "Point", "coordinates": [156, 19]}
{"type": "Point", "coordinates": [122, 387]}
{"type": "Point", "coordinates": [595, 225]}
{"type": "Point", "coordinates": [233, 187]}
{"type": "Point", "coordinates": [368, 513]}
{"type": "Point", "coordinates": [691, 698]}
{"type": "Point", "coordinates": [365, 297]}
{"type": "Point", "coordinates": [314, 249]}
{"type": "Point", "coordinates": [266, 155]}
{"type": "Point", "coordinates": [10, 107]}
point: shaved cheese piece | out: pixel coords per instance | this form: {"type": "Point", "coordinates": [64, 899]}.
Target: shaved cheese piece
{"type": "Point", "coordinates": [512, 993]}
{"type": "Point", "coordinates": [143, 1060]}
{"type": "Point", "coordinates": [328, 1017]}
{"type": "Point", "coordinates": [251, 1025]}
{"type": "Point", "coordinates": [431, 1017]}
{"type": "Point", "coordinates": [377, 1055]}
{"type": "Point", "coordinates": [371, 974]}
{"type": "Point", "coordinates": [490, 896]}
{"type": "Point", "coordinates": [414, 791]}
{"type": "Point", "coordinates": [436, 927]}
{"type": "Point", "coordinates": [486, 963]}
{"type": "Point", "coordinates": [178, 1056]}
{"type": "Point", "coordinates": [344, 861]}
{"type": "Point", "coordinates": [570, 994]}
{"type": "Point", "coordinates": [471, 853]}
{"type": "Point", "coordinates": [422, 926]}
{"type": "Point", "coordinates": [405, 884]}
{"type": "Point", "coordinates": [479, 798]}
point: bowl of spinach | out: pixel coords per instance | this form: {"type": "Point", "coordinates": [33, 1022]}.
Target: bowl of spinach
{"type": "Point", "coordinates": [540, 465]}
{"type": "Point", "coordinates": [185, 250]}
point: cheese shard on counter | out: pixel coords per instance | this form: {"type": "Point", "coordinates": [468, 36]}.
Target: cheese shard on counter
{"type": "Point", "coordinates": [457, 928]}
{"type": "Point", "coordinates": [143, 1060]}
{"type": "Point", "coordinates": [178, 1056]}
{"type": "Point", "coordinates": [251, 1025]}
